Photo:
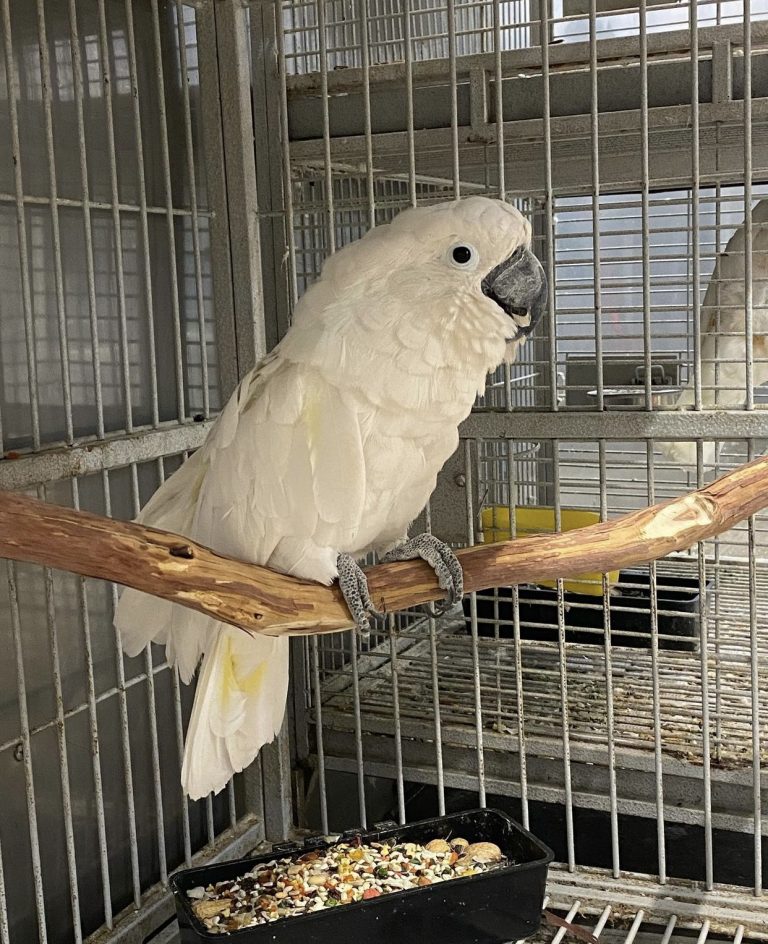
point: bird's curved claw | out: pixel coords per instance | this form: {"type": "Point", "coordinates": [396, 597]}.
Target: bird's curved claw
{"type": "Point", "coordinates": [442, 560]}
{"type": "Point", "coordinates": [354, 589]}
{"type": "Point", "coordinates": [436, 610]}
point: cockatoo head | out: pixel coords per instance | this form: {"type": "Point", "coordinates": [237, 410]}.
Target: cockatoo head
{"type": "Point", "coordinates": [473, 258]}
{"type": "Point", "coordinates": [451, 287]}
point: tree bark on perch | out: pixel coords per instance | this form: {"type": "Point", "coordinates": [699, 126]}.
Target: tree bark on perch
{"type": "Point", "coordinates": [264, 601]}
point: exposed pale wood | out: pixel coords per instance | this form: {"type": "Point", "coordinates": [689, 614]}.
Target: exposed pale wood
{"type": "Point", "coordinates": [262, 600]}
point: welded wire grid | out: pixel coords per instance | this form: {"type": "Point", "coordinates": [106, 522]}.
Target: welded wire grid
{"type": "Point", "coordinates": [639, 699]}
{"type": "Point", "coordinates": [106, 329]}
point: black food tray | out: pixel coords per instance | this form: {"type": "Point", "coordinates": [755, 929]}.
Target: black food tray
{"type": "Point", "coordinates": [678, 608]}
{"type": "Point", "coordinates": [492, 907]}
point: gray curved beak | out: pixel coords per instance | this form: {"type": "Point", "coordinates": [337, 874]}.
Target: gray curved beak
{"type": "Point", "coordinates": [519, 286]}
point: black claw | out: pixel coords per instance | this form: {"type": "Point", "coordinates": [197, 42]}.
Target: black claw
{"type": "Point", "coordinates": [435, 610]}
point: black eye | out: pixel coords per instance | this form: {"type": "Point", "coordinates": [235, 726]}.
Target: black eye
{"type": "Point", "coordinates": [461, 254]}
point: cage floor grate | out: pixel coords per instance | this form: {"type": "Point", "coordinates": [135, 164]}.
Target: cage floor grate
{"type": "Point", "coordinates": [677, 682]}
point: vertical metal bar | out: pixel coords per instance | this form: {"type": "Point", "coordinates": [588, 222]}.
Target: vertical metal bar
{"type": "Point", "coordinates": [365, 53]}
{"type": "Point", "coordinates": [319, 746]}
{"type": "Point", "coordinates": [93, 724]}
{"type": "Point", "coordinates": [353, 642]}
{"type": "Point", "coordinates": [165, 161]}
{"type": "Point", "coordinates": [209, 826]}
{"type": "Point", "coordinates": [397, 732]}
{"type": "Point", "coordinates": [45, 79]}
{"type": "Point", "coordinates": [298, 718]}
{"type": "Point", "coordinates": [152, 717]}
{"type": "Point", "coordinates": [706, 760]}
{"type": "Point", "coordinates": [438, 738]}
{"type": "Point", "coordinates": [477, 686]}
{"type": "Point", "coordinates": [21, 228]}
{"type": "Point", "coordinates": [189, 149]}
{"type": "Point", "coordinates": [549, 222]}
{"type": "Point", "coordinates": [563, 673]}
{"type": "Point", "coordinates": [451, 13]}
{"type": "Point", "coordinates": [498, 99]}
{"type": "Point", "coordinates": [286, 154]}
{"type": "Point", "coordinates": [143, 221]}
{"type": "Point", "coordinates": [61, 740]}
{"type": "Point", "coordinates": [77, 74]}
{"type": "Point", "coordinates": [607, 649]}
{"type": "Point", "coordinates": [748, 292]}
{"type": "Point", "coordinates": [519, 687]}
{"type": "Point", "coordinates": [500, 158]}
{"type": "Point", "coordinates": [408, 42]}
{"type": "Point", "coordinates": [695, 195]}
{"type": "Point", "coordinates": [755, 660]}
{"type": "Point", "coordinates": [240, 98]}
{"type": "Point", "coordinates": [595, 160]}
{"type": "Point", "coordinates": [645, 188]}
{"type": "Point", "coordinates": [655, 684]}
{"type": "Point", "coordinates": [327, 162]}
{"type": "Point", "coordinates": [717, 565]}
{"type": "Point", "coordinates": [106, 80]}
{"type": "Point", "coordinates": [435, 677]}
{"type": "Point", "coordinates": [26, 748]}
{"type": "Point", "coordinates": [125, 737]}
{"type": "Point", "coordinates": [232, 804]}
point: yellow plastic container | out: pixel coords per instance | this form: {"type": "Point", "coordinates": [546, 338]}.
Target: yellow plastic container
{"type": "Point", "coordinates": [532, 520]}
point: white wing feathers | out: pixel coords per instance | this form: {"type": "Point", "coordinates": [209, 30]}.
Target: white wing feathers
{"type": "Point", "coordinates": [723, 347]}
{"type": "Point", "coordinates": [338, 472]}
{"type": "Point", "coordinates": [279, 481]}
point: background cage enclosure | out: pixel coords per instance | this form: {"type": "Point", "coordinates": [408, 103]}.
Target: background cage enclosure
{"type": "Point", "coordinates": [149, 254]}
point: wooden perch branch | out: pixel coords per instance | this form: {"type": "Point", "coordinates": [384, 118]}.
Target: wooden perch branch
{"type": "Point", "coordinates": [264, 601]}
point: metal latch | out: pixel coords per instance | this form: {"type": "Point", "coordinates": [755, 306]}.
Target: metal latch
{"type": "Point", "coordinates": [623, 377]}
{"type": "Point", "coordinates": [633, 395]}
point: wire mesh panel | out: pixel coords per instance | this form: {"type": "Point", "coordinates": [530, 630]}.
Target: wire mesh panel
{"type": "Point", "coordinates": [109, 334]}
{"type": "Point", "coordinates": [387, 23]}
{"type": "Point", "coordinates": [621, 715]}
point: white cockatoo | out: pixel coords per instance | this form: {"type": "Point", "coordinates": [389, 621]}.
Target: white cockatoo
{"type": "Point", "coordinates": [331, 446]}
{"type": "Point", "coordinates": [723, 339]}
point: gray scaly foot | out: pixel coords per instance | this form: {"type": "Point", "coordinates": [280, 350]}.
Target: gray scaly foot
{"type": "Point", "coordinates": [354, 588]}
{"type": "Point", "coordinates": [441, 559]}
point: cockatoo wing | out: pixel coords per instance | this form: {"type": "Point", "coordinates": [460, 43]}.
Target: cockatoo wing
{"type": "Point", "coordinates": [282, 467]}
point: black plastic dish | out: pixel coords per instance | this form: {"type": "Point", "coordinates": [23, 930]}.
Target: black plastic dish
{"type": "Point", "coordinates": [678, 606]}
{"type": "Point", "coordinates": [488, 908]}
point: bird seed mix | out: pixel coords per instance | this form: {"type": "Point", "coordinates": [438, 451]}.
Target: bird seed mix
{"type": "Point", "coordinates": [340, 875]}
